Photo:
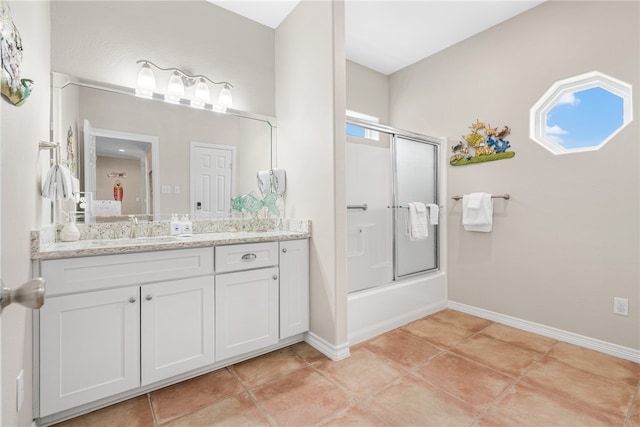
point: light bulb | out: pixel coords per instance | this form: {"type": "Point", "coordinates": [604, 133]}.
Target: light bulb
{"type": "Point", "coordinates": [175, 88]}
{"type": "Point", "coordinates": [202, 94]}
{"type": "Point", "coordinates": [224, 98]}
{"type": "Point", "coordinates": [146, 82]}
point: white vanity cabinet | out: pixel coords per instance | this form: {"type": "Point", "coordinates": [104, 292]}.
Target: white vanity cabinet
{"type": "Point", "coordinates": [107, 318]}
{"type": "Point", "coordinates": [177, 319]}
{"type": "Point", "coordinates": [247, 286]}
{"type": "Point", "coordinates": [294, 287]}
{"type": "Point", "coordinates": [118, 325]}
{"type": "Point", "coordinates": [89, 347]}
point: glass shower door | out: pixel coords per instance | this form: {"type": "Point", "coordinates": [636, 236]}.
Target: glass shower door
{"type": "Point", "coordinates": [416, 170]}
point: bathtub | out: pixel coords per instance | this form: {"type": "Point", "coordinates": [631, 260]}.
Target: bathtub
{"type": "Point", "coordinates": [383, 308]}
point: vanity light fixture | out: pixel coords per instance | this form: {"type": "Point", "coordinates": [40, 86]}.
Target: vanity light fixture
{"type": "Point", "coordinates": [201, 94]}
{"type": "Point", "coordinates": [146, 82]}
{"type": "Point", "coordinates": [180, 80]}
{"type": "Point", "coordinates": [175, 89]}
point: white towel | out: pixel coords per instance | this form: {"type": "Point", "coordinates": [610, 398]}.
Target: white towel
{"type": "Point", "coordinates": [475, 199]}
{"type": "Point", "coordinates": [264, 182]}
{"type": "Point", "coordinates": [279, 181]}
{"type": "Point", "coordinates": [67, 185]}
{"type": "Point", "coordinates": [478, 219]}
{"type": "Point", "coordinates": [75, 185]}
{"type": "Point", "coordinates": [434, 211]}
{"type": "Point", "coordinates": [417, 225]}
{"type": "Point", "coordinates": [58, 184]}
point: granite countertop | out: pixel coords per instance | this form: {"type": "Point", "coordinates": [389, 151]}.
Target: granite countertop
{"type": "Point", "coordinates": [91, 247]}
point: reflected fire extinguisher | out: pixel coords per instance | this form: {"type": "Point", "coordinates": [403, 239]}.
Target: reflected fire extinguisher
{"type": "Point", "coordinates": [118, 191]}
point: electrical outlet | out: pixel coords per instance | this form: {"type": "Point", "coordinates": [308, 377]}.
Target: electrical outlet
{"type": "Point", "coordinates": [166, 189]}
{"type": "Point", "coordinates": [20, 390]}
{"type": "Point", "coordinates": [176, 189]}
{"type": "Point", "coordinates": [621, 306]}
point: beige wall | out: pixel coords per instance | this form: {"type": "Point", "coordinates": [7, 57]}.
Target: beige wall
{"type": "Point", "coordinates": [310, 81]}
{"type": "Point", "coordinates": [102, 40]}
{"type": "Point", "coordinates": [367, 91]}
{"type": "Point", "coordinates": [133, 185]}
{"type": "Point", "coordinates": [567, 242]}
{"type": "Point", "coordinates": [22, 128]}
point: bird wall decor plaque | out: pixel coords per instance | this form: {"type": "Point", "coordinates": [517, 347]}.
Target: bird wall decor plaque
{"type": "Point", "coordinates": [14, 89]}
{"type": "Point", "coordinates": [482, 144]}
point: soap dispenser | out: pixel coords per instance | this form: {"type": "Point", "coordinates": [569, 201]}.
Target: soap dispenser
{"type": "Point", "coordinates": [70, 232]}
{"type": "Point", "coordinates": [187, 225]}
{"type": "Point", "coordinates": [176, 226]}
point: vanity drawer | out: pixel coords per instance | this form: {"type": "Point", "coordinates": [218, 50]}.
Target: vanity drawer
{"type": "Point", "coordinates": [72, 275]}
{"type": "Point", "coordinates": [246, 257]}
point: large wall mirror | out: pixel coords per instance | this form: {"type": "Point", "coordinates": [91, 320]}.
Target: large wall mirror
{"type": "Point", "coordinates": [153, 157]}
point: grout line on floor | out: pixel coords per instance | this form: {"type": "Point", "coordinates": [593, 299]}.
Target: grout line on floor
{"type": "Point", "coordinates": [511, 386]}
{"type": "Point", "coordinates": [635, 404]}
{"type": "Point", "coordinates": [252, 397]}
{"type": "Point", "coordinates": [153, 412]}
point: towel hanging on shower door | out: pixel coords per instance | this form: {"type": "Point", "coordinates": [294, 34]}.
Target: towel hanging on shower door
{"type": "Point", "coordinates": [417, 224]}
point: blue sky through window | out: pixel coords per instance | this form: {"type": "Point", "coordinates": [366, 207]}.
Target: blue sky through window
{"type": "Point", "coordinates": [584, 118]}
{"type": "Point", "coordinates": [354, 130]}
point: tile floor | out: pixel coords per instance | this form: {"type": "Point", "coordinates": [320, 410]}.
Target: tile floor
{"type": "Point", "coordinates": [447, 369]}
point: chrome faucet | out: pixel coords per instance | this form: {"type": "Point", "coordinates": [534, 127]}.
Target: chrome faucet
{"type": "Point", "coordinates": [134, 226]}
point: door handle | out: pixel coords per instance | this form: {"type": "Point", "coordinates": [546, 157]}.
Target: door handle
{"type": "Point", "coordinates": [30, 294]}
{"type": "Point", "coordinates": [149, 297]}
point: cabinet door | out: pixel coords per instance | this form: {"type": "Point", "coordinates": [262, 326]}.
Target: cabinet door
{"type": "Point", "coordinates": [177, 327]}
{"type": "Point", "coordinates": [246, 311]}
{"type": "Point", "coordinates": [89, 347]}
{"type": "Point", "coordinates": [294, 287]}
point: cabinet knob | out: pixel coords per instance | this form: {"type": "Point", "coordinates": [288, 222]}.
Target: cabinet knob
{"type": "Point", "coordinates": [149, 297]}
{"type": "Point", "coordinates": [275, 277]}
{"type": "Point", "coordinates": [132, 300]}
{"type": "Point", "coordinates": [284, 250]}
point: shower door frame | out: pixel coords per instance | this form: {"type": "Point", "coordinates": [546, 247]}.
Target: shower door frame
{"type": "Point", "coordinates": [419, 138]}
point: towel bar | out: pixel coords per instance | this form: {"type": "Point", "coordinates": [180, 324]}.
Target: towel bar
{"type": "Point", "coordinates": [499, 196]}
{"type": "Point", "coordinates": [363, 207]}
{"type": "Point", "coordinates": [44, 145]}
{"type": "Point", "coordinates": [406, 207]}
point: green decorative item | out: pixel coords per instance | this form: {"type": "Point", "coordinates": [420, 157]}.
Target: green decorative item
{"type": "Point", "coordinates": [249, 203]}
{"type": "Point", "coordinates": [482, 144]}
{"type": "Point", "coordinates": [236, 203]}
{"type": "Point", "coordinates": [270, 201]}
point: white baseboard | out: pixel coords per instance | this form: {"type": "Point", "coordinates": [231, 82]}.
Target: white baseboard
{"type": "Point", "coordinates": [333, 352]}
{"type": "Point", "coordinates": [551, 332]}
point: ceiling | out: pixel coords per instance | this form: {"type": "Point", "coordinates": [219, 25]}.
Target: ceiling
{"type": "Point", "coordinates": [388, 35]}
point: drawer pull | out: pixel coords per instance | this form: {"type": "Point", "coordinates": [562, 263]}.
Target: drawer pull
{"type": "Point", "coordinates": [249, 257]}
{"type": "Point", "coordinates": [149, 297]}
{"type": "Point", "coordinates": [284, 250]}
{"type": "Point", "coordinates": [132, 300]}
